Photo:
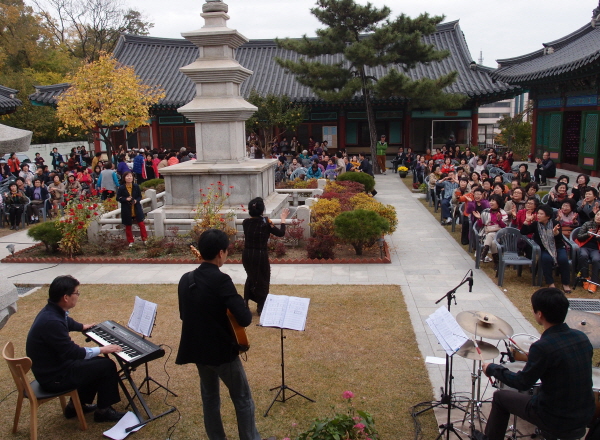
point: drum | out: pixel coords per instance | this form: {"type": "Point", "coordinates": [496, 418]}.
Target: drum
{"type": "Point", "coordinates": [523, 341]}
{"type": "Point", "coordinates": [515, 367]}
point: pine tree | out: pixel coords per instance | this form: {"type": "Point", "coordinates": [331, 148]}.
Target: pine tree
{"type": "Point", "coordinates": [361, 38]}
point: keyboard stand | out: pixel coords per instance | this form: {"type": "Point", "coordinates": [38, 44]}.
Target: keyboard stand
{"type": "Point", "coordinates": [125, 375]}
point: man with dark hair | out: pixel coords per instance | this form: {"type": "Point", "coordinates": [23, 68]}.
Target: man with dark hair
{"type": "Point", "coordinates": [207, 339]}
{"type": "Point", "coordinates": [59, 364]}
{"type": "Point", "coordinates": [381, 148]}
{"type": "Point", "coordinates": [562, 360]}
{"type": "Point", "coordinates": [449, 184]}
{"type": "Point", "coordinates": [366, 167]}
{"type": "Point", "coordinates": [545, 168]}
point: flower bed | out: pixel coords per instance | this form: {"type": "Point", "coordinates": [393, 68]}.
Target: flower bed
{"type": "Point", "coordinates": [35, 254]}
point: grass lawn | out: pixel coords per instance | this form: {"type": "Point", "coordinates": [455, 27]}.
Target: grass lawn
{"type": "Point", "coordinates": [357, 338]}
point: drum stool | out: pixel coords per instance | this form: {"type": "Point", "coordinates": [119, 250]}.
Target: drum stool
{"type": "Point", "coordinates": [575, 434]}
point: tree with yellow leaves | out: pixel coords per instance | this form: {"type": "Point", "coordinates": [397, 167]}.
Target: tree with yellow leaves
{"type": "Point", "coordinates": [106, 94]}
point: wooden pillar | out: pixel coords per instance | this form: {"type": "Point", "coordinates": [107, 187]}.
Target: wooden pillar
{"type": "Point", "coordinates": [341, 130]}
{"type": "Point", "coordinates": [534, 122]}
{"type": "Point", "coordinates": [406, 120]}
{"type": "Point", "coordinates": [475, 129]}
{"type": "Point", "coordinates": [97, 145]}
{"type": "Point", "coordinates": [154, 134]}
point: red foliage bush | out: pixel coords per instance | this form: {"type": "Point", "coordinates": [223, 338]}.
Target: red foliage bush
{"type": "Point", "coordinates": [321, 246]}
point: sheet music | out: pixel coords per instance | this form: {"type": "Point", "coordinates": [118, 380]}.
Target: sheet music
{"type": "Point", "coordinates": [447, 331]}
{"type": "Point", "coordinates": [142, 317]}
{"type": "Point", "coordinates": [284, 311]}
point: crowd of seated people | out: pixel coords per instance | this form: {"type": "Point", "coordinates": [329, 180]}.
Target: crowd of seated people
{"type": "Point", "coordinates": [478, 195]}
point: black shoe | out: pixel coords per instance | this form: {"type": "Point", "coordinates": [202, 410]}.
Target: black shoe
{"type": "Point", "coordinates": [544, 183]}
{"type": "Point", "coordinates": [478, 435]}
{"type": "Point", "coordinates": [108, 415]}
{"type": "Point", "coordinates": [373, 193]}
{"type": "Point", "coordinates": [12, 227]}
{"type": "Point", "coordinates": [70, 410]}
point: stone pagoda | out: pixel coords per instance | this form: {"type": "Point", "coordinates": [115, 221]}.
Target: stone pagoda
{"type": "Point", "coordinates": [219, 114]}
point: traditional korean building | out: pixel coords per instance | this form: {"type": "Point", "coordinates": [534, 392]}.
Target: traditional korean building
{"type": "Point", "coordinates": [563, 79]}
{"type": "Point", "coordinates": [8, 100]}
{"type": "Point", "coordinates": [343, 124]}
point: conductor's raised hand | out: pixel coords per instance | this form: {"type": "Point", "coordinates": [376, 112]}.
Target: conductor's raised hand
{"type": "Point", "coordinates": [284, 214]}
{"type": "Point", "coordinates": [112, 348]}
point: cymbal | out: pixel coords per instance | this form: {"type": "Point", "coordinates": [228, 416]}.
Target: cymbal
{"type": "Point", "coordinates": [588, 323]}
{"type": "Point", "coordinates": [468, 351]}
{"type": "Point", "coordinates": [487, 325]}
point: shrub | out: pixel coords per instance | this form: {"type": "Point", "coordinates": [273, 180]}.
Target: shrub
{"type": "Point", "coordinates": [160, 188]}
{"type": "Point", "coordinates": [352, 424]}
{"type": "Point", "coordinates": [47, 233]}
{"type": "Point", "coordinates": [321, 246]}
{"type": "Point", "coordinates": [366, 179]}
{"type": "Point", "coordinates": [323, 213]}
{"type": "Point", "coordinates": [152, 183]}
{"type": "Point", "coordinates": [342, 198]}
{"type": "Point", "coordinates": [79, 214]}
{"type": "Point", "coordinates": [210, 212]}
{"type": "Point", "coordinates": [388, 212]}
{"type": "Point", "coordinates": [236, 246]}
{"type": "Point", "coordinates": [116, 245]}
{"type": "Point", "coordinates": [110, 204]}
{"type": "Point", "coordinates": [277, 247]}
{"type": "Point", "coordinates": [344, 186]}
{"type": "Point", "coordinates": [297, 184]}
{"type": "Point", "coordinates": [294, 232]}
{"type": "Point", "coordinates": [360, 228]}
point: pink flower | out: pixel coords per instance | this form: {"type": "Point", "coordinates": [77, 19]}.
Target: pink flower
{"type": "Point", "coordinates": [347, 394]}
{"type": "Point", "coordinates": [359, 426]}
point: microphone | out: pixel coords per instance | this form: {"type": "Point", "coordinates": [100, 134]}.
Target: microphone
{"type": "Point", "coordinates": [471, 281]}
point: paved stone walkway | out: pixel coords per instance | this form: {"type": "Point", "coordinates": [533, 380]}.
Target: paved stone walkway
{"type": "Point", "coordinates": [426, 263]}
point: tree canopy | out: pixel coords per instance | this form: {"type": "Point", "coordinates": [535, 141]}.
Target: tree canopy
{"type": "Point", "coordinates": [274, 112]}
{"type": "Point", "coordinates": [104, 94]}
{"type": "Point", "coordinates": [363, 37]}
{"type": "Point", "coordinates": [88, 28]}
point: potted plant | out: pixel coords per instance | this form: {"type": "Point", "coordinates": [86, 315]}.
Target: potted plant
{"type": "Point", "coordinates": [403, 171]}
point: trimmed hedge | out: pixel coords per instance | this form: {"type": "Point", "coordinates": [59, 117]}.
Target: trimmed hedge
{"type": "Point", "coordinates": [366, 179]}
{"type": "Point", "coordinates": [152, 183]}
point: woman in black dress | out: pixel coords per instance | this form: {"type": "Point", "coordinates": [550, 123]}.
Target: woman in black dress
{"type": "Point", "coordinates": [255, 258]}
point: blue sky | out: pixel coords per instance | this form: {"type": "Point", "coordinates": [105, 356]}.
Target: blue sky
{"type": "Point", "coordinates": [499, 28]}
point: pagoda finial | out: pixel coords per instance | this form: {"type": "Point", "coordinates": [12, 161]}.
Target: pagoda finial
{"type": "Point", "coordinates": [214, 6]}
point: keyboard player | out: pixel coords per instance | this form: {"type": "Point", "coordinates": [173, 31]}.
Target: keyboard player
{"type": "Point", "coordinates": [59, 364]}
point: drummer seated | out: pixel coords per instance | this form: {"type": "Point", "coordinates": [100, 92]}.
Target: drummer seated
{"type": "Point", "coordinates": [562, 361]}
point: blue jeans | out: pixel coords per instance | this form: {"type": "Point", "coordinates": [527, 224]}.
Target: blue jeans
{"type": "Point", "coordinates": [446, 208]}
{"type": "Point", "coordinates": [234, 377]}
{"type": "Point", "coordinates": [563, 266]}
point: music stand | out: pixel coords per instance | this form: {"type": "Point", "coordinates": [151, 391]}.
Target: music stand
{"type": "Point", "coordinates": [289, 312]}
{"type": "Point", "coordinates": [143, 320]}
{"type": "Point", "coordinates": [446, 398]}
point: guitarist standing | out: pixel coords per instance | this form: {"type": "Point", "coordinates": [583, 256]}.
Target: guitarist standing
{"type": "Point", "coordinates": [207, 338]}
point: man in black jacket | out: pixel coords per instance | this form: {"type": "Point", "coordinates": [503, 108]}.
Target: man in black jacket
{"type": "Point", "coordinates": [207, 338]}
{"type": "Point", "coordinates": [545, 168]}
{"type": "Point", "coordinates": [59, 364]}
{"type": "Point", "coordinates": [562, 360]}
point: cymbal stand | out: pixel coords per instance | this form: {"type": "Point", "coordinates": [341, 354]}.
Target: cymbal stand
{"type": "Point", "coordinates": [446, 398]}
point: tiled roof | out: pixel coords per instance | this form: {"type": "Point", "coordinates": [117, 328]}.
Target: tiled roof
{"type": "Point", "coordinates": [576, 51]}
{"type": "Point", "coordinates": [157, 61]}
{"type": "Point", "coordinates": [8, 102]}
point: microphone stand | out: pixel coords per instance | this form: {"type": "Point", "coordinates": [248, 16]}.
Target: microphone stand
{"type": "Point", "coordinates": [446, 398]}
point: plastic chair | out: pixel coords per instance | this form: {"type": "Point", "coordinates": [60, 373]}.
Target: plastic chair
{"type": "Point", "coordinates": [457, 214]}
{"type": "Point", "coordinates": [428, 192]}
{"type": "Point", "coordinates": [477, 241]}
{"type": "Point", "coordinates": [507, 241]}
{"type": "Point", "coordinates": [19, 369]}
{"type": "Point", "coordinates": [545, 199]}
{"type": "Point", "coordinates": [297, 173]}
